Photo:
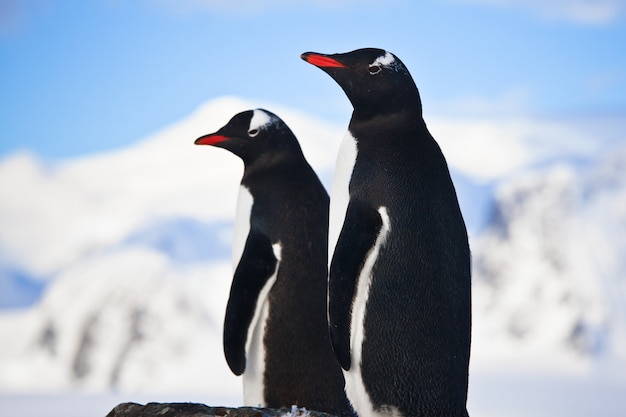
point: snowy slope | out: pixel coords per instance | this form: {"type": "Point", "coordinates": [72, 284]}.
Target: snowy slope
{"type": "Point", "coordinates": [134, 247]}
{"type": "Point", "coordinates": [550, 270]}
{"type": "Point", "coordinates": [94, 202]}
{"type": "Point", "coordinates": [131, 250]}
{"type": "Point", "coordinates": [126, 320]}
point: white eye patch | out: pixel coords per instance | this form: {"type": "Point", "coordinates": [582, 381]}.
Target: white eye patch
{"type": "Point", "coordinates": [260, 119]}
{"type": "Point", "coordinates": [384, 60]}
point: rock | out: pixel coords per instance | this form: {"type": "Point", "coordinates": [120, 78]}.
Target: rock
{"type": "Point", "coordinates": [201, 410]}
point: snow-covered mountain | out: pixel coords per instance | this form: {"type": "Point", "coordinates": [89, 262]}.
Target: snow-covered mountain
{"type": "Point", "coordinates": [133, 248]}
{"type": "Point", "coordinates": [550, 271]}
{"type": "Point", "coordinates": [126, 320]}
{"type": "Point", "coordinates": [51, 215]}
{"type": "Point", "coordinates": [130, 252]}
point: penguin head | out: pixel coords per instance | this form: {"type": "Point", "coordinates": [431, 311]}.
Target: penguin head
{"type": "Point", "coordinates": [254, 135]}
{"type": "Point", "coordinates": [375, 80]}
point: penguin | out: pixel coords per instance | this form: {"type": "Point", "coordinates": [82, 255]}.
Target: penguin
{"type": "Point", "coordinates": [275, 327]}
{"type": "Point", "coordinates": [399, 306]}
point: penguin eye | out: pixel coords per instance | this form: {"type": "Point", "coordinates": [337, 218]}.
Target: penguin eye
{"type": "Point", "coordinates": [253, 132]}
{"type": "Point", "coordinates": [374, 69]}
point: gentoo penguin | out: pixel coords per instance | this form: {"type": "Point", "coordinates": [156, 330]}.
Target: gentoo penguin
{"type": "Point", "coordinates": [399, 277]}
{"type": "Point", "coordinates": [275, 328]}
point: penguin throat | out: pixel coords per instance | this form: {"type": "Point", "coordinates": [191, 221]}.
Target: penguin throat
{"type": "Point", "coordinates": [369, 114]}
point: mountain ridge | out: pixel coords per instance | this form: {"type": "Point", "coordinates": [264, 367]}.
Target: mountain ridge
{"type": "Point", "coordinates": [132, 247]}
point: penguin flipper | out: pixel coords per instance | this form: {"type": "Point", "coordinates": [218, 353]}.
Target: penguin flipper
{"type": "Point", "coordinates": [256, 266]}
{"type": "Point", "coordinates": [358, 235]}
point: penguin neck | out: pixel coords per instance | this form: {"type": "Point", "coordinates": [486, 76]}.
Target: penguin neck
{"type": "Point", "coordinates": [405, 98]}
{"type": "Point", "coordinates": [403, 110]}
{"type": "Point", "coordinates": [389, 124]}
{"type": "Point", "coordinates": [270, 163]}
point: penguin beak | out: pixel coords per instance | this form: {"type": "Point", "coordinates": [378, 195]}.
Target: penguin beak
{"type": "Point", "coordinates": [211, 139]}
{"type": "Point", "coordinates": [321, 60]}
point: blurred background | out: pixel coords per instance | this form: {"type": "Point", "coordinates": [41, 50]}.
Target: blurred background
{"type": "Point", "coordinates": [115, 230]}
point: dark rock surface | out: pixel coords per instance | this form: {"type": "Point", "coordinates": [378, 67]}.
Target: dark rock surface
{"type": "Point", "coordinates": [201, 410]}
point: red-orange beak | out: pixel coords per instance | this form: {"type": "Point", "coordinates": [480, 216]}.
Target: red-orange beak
{"type": "Point", "coordinates": [322, 61]}
{"type": "Point", "coordinates": [211, 139]}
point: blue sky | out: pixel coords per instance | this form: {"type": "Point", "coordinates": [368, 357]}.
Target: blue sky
{"type": "Point", "coordinates": [78, 77]}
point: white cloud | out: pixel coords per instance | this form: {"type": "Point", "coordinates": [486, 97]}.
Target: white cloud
{"type": "Point", "coordinates": [592, 12]}
{"type": "Point", "coordinates": [488, 149]}
{"type": "Point", "coordinates": [487, 138]}
{"type": "Point", "coordinates": [71, 221]}
{"type": "Point", "coordinates": [513, 102]}
{"type": "Point", "coordinates": [52, 216]}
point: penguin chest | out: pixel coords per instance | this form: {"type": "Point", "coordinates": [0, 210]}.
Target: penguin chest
{"type": "Point", "coordinates": [245, 202]}
{"type": "Point", "coordinates": [340, 190]}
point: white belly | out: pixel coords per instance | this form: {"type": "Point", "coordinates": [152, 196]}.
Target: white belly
{"type": "Point", "coordinates": [253, 376]}
{"type": "Point", "coordinates": [355, 388]}
{"type": "Point", "coordinates": [340, 193]}
{"type": "Point", "coordinates": [242, 224]}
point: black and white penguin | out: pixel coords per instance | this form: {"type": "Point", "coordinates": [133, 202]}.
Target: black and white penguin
{"type": "Point", "coordinates": [399, 278]}
{"type": "Point", "coordinates": [275, 328]}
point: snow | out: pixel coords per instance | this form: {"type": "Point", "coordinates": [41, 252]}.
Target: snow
{"type": "Point", "coordinates": [487, 149]}
{"type": "Point", "coordinates": [540, 393]}
{"type": "Point", "coordinates": [130, 251]}
{"type": "Point", "coordinates": [93, 201]}
{"type": "Point", "coordinates": [81, 404]}
{"type": "Point", "coordinates": [296, 412]}
{"type": "Point", "coordinates": [114, 321]}
{"type": "Point", "coordinates": [550, 263]}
